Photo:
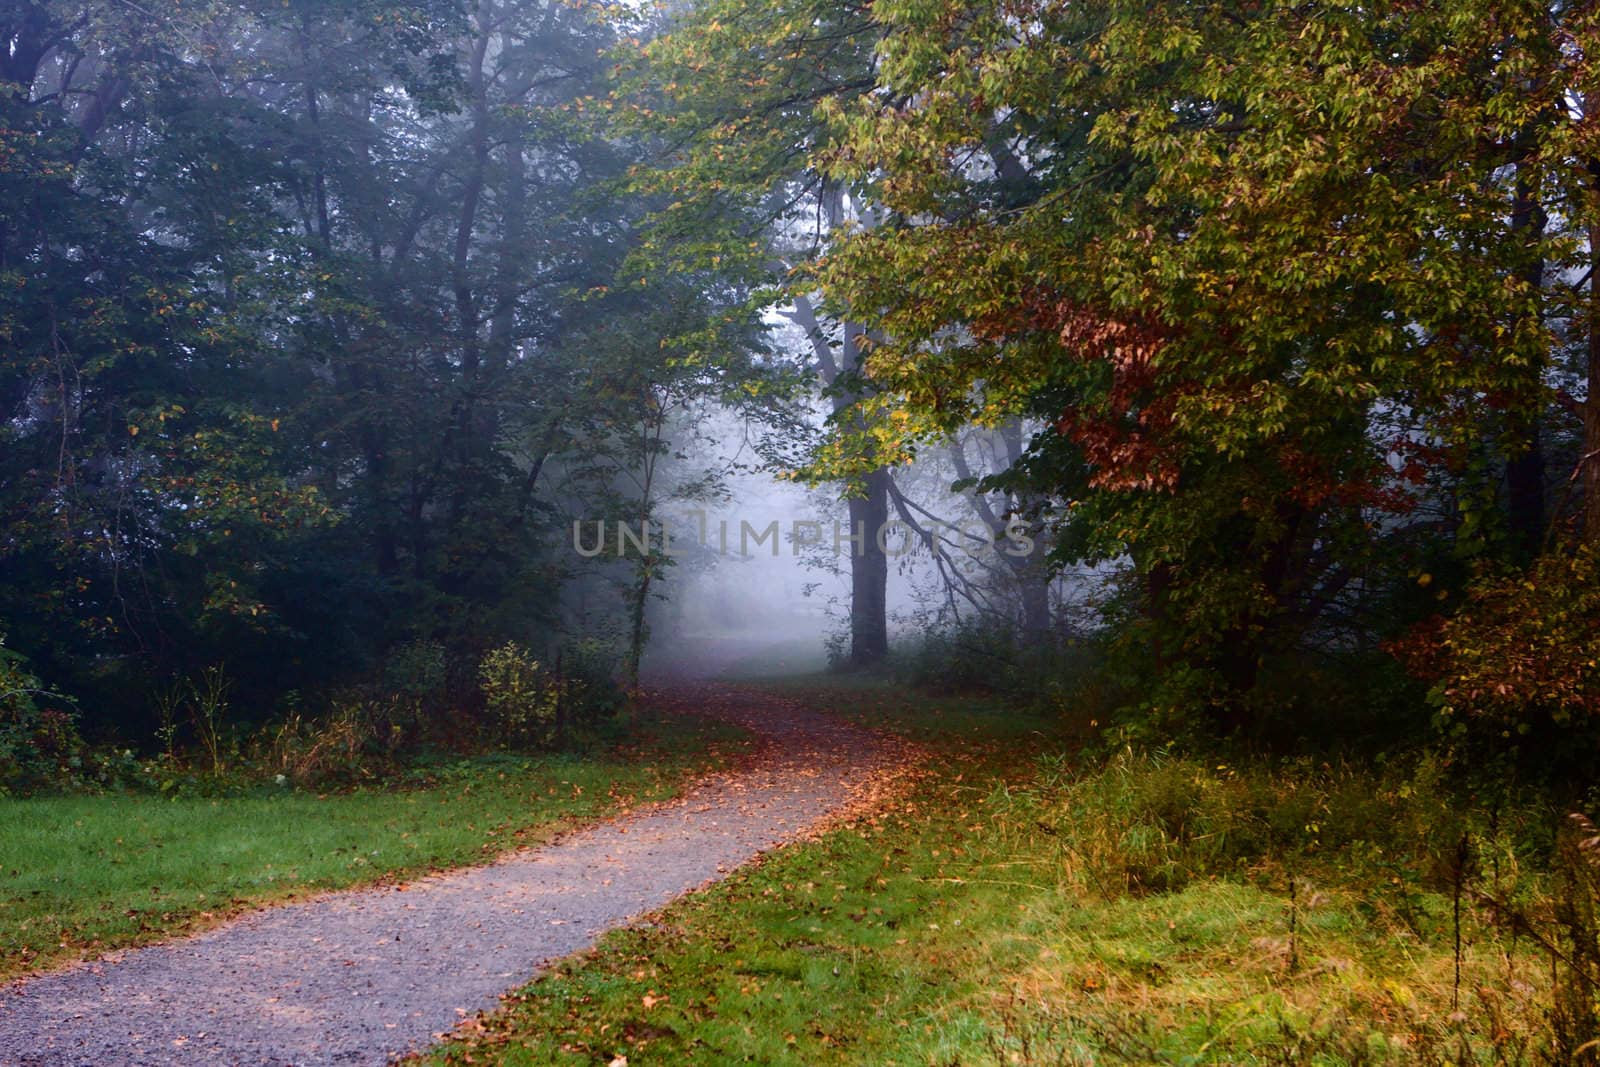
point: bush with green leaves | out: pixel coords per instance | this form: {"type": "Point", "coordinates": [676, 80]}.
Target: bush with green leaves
{"type": "Point", "coordinates": [588, 676]}
{"type": "Point", "coordinates": [417, 669]}
{"type": "Point", "coordinates": [521, 698]}
{"type": "Point", "coordinates": [412, 695]}
{"type": "Point", "coordinates": [40, 748]}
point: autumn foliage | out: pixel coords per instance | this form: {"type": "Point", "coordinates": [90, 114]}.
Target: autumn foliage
{"type": "Point", "coordinates": [1126, 435]}
{"type": "Point", "coordinates": [1522, 653]}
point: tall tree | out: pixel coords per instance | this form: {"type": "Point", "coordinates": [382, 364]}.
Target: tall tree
{"type": "Point", "coordinates": [730, 91]}
{"type": "Point", "coordinates": [295, 316]}
{"type": "Point", "coordinates": [1250, 265]}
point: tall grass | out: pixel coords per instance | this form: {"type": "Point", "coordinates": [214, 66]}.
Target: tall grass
{"type": "Point", "coordinates": [1027, 904]}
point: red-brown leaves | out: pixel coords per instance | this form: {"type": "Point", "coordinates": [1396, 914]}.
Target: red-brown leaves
{"type": "Point", "coordinates": [1524, 647]}
{"type": "Point", "coordinates": [1377, 486]}
{"type": "Point", "coordinates": [1124, 431]}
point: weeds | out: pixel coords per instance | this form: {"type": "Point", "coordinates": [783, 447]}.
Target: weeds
{"type": "Point", "coordinates": [1576, 922]}
{"type": "Point", "coordinates": [330, 753]}
{"type": "Point", "coordinates": [208, 713]}
{"type": "Point", "coordinates": [1148, 907]}
{"type": "Point", "coordinates": [1565, 926]}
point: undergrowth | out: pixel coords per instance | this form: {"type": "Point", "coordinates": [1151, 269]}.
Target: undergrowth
{"type": "Point", "coordinates": [1142, 906]}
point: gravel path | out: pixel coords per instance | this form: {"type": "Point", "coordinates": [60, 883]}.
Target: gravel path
{"type": "Point", "coordinates": [361, 977]}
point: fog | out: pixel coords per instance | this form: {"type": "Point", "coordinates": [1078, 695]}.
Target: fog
{"type": "Point", "coordinates": [760, 580]}
{"type": "Point", "coordinates": [746, 596]}
{"type": "Point", "coordinates": [747, 612]}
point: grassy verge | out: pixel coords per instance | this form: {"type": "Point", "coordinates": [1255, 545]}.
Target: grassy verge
{"type": "Point", "coordinates": [80, 875]}
{"type": "Point", "coordinates": [1020, 907]}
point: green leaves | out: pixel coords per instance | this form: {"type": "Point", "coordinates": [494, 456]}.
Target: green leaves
{"type": "Point", "coordinates": [1308, 218]}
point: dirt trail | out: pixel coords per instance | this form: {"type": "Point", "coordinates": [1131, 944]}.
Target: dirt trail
{"type": "Point", "coordinates": [363, 976]}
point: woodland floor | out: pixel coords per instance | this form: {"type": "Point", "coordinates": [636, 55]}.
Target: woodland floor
{"type": "Point", "coordinates": [1021, 898]}
{"type": "Point", "coordinates": [363, 976]}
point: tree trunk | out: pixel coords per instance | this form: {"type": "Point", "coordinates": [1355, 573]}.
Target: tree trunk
{"type": "Point", "coordinates": [655, 420]}
{"type": "Point", "coordinates": [468, 309]}
{"type": "Point", "coordinates": [869, 512]}
{"type": "Point", "coordinates": [869, 572]}
{"type": "Point", "coordinates": [1158, 581]}
{"type": "Point", "coordinates": [1036, 621]}
{"type": "Point", "coordinates": [636, 625]}
{"type": "Point", "coordinates": [1032, 571]}
{"type": "Point", "coordinates": [1525, 472]}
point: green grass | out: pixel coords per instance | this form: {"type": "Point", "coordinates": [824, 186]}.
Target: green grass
{"type": "Point", "coordinates": [79, 875]}
{"type": "Point", "coordinates": [1016, 907]}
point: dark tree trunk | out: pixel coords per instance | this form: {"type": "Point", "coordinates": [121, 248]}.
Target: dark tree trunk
{"type": "Point", "coordinates": [1158, 580]}
{"type": "Point", "coordinates": [468, 305]}
{"type": "Point", "coordinates": [1525, 474]}
{"type": "Point", "coordinates": [1262, 632]}
{"type": "Point", "coordinates": [869, 505]}
{"type": "Point", "coordinates": [869, 572]}
{"type": "Point", "coordinates": [638, 605]}
{"type": "Point", "coordinates": [1036, 621]}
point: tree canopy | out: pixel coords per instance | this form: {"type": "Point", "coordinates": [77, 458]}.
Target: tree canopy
{"type": "Point", "coordinates": [321, 320]}
{"type": "Point", "coordinates": [1299, 296]}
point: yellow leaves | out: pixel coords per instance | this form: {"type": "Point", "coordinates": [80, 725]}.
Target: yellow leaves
{"type": "Point", "coordinates": [650, 1000]}
{"type": "Point", "coordinates": [1402, 994]}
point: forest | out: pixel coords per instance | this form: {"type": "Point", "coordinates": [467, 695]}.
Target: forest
{"type": "Point", "coordinates": [1196, 401]}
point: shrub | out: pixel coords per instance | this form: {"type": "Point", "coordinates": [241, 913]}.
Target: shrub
{"type": "Point", "coordinates": [521, 698]}
{"type": "Point", "coordinates": [588, 676]}
{"type": "Point", "coordinates": [985, 655]}
{"type": "Point", "coordinates": [40, 748]}
{"type": "Point", "coordinates": [413, 692]}
{"type": "Point", "coordinates": [964, 657]}
{"type": "Point", "coordinates": [416, 669]}
{"type": "Point", "coordinates": [836, 645]}
{"type": "Point", "coordinates": [1521, 657]}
